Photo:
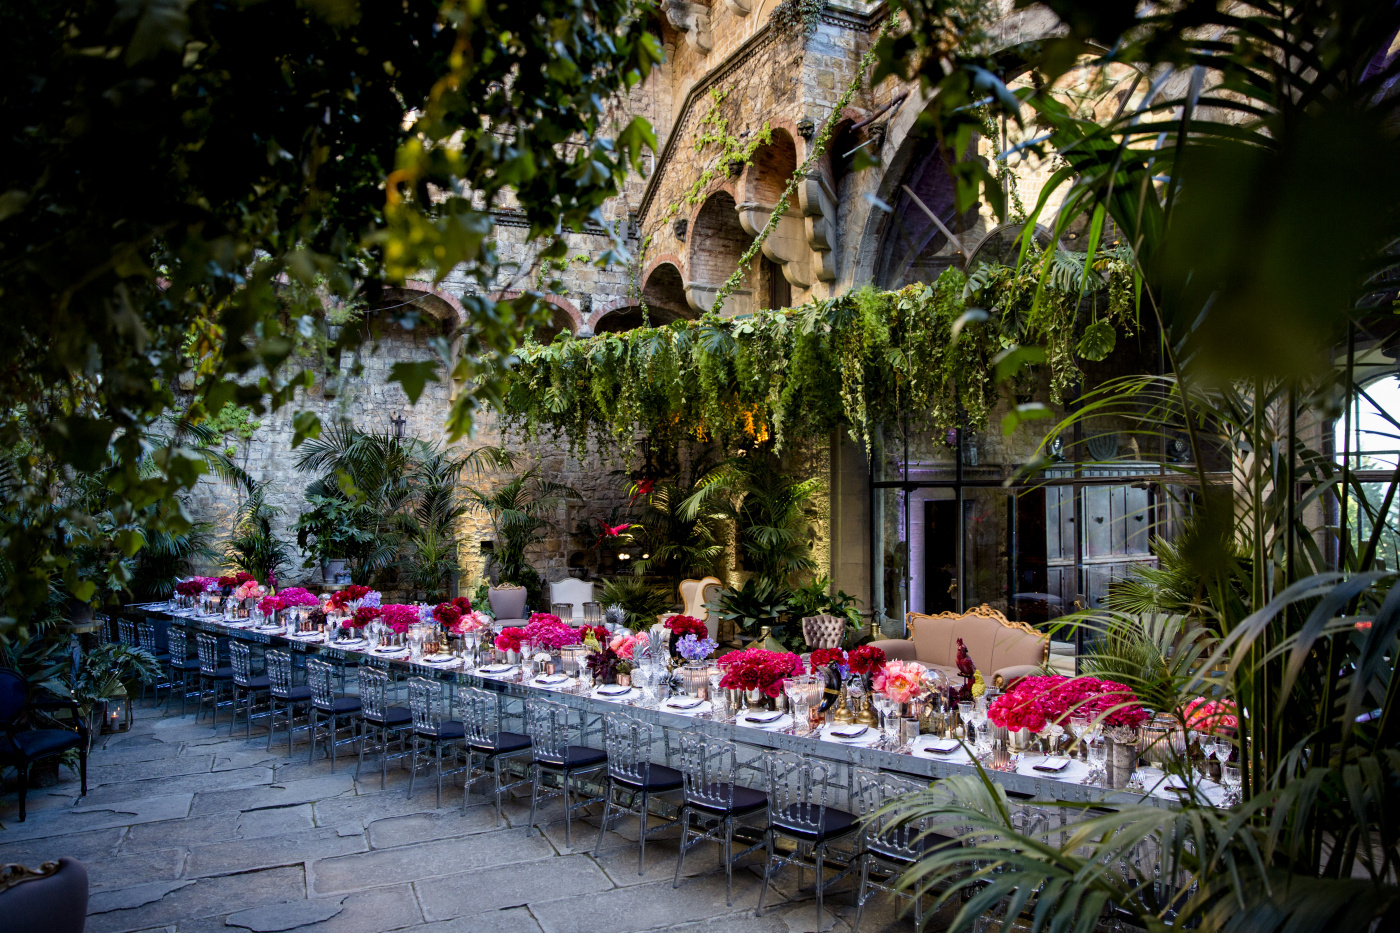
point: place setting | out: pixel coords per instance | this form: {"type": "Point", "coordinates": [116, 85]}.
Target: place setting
{"type": "Point", "coordinates": [617, 693]}
{"type": "Point", "coordinates": [498, 671]}
{"type": "Point", "coordinates": [687, 706]}
{"type": "Point", "coordinates": [858, 734]}
{"type": "Point", "coordinates": [767, 720]}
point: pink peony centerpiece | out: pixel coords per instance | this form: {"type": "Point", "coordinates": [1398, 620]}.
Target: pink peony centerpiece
{"type": "Point", "coordinates": [398, 617]}
{"type": "Point", "coordinates": [623, 646]}
{"type": "Point", "coordinates": [901, 681]}
{"type": "Point", "coordinates": [1213, 716]}
{"type": "Point", "coordinates": [250, 590]}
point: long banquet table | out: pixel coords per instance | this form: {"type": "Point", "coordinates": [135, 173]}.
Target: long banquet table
{"type": "Point", "coordinates": [513, 693]}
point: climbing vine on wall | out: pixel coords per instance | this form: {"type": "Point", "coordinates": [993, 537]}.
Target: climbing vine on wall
{"type": "Point", "coordinates": [858, 361]}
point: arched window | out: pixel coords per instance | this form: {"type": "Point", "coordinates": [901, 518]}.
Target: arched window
{"type": "Point", "coordinates": [1368, 440]}
{"type": "Point", "coordinates": [915, 247]}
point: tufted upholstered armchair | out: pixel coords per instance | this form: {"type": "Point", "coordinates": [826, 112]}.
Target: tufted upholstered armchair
{"type": "Point", "coordinates": [823, 631]}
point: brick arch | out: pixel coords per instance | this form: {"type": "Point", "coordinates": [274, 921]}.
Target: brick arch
{"type": "Point", "coordinates": [716, 242]}
{"type": "Point", "coordinates": [774, 163]}
{"type": "Point", "coordinates": [439, 305]}
{"type": "Point", "coordinates": [664, 288]}
{"type": "Point", "coordinates": [629, 317]}
{"type": "Point", "coordinates": [564, 317]}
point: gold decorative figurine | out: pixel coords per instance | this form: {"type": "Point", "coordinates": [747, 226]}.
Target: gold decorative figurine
{"type": "Point", "coordinates": [843, 711]}
{"type": "Point", "coordinates": [866, 716]}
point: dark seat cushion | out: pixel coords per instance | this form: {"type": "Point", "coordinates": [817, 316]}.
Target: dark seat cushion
{"type": "Point", "coordinates": [300, 693]}
{"type": "Point", "coordinates": [341, 705]}
{"type": "Point", "coordinates": [56, 904]}
{"type": "Point", "coordinates": [575, 756]}
{"type": "Point", "coordinates": [189, 664]}
{"type": "Point", "coordinates": [258, 682]}
{"type": "Point", "coordinates": [393, 716]}
{"type": "Point", "coordinates": [746, 799]}
{"type": "Point", "coordinates": [40, 743]}
{"type": "Point", "coordinates": [502, 743]}
{"type": "Point", "coordinates": [833, 823]}
{"type": "Point", "coordinates": [223, 673]}
{"type": "Point", "coordinates": [885, 848]}
{"type": "Point", "coordinates": [447, 730]}
{"type": "Point", "coordinates": [659, 778]}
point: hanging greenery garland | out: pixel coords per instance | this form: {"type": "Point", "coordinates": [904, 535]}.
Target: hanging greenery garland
{"type": "Point", "coordinates": [860, 360]}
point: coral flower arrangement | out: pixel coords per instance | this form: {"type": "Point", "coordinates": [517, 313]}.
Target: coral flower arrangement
{"type": "Point", "coordinates": [759, 669]}
{"type": "Point", "coordinates": [901, 681]}
{"type": "Point", "coordinates": [1213, 716]}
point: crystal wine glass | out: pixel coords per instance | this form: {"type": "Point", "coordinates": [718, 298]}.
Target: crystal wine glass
{"type": "Point", "coordinates": [965, 714]}
{"type": "Point", "coordinates": [1230, 777]}
{"type": "Point", "coordinates": [1079, 727]}
{"type": "Point", "coordinates": [979, 727]}
{"type": "Point", "coordinates": [1098, 758]}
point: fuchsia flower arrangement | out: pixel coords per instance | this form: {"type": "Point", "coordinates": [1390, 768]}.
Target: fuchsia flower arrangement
{"type": "Point", "coordinates": [363, 616]}
{"type": "Point", "coordinates": [298, 596]}
{"type": "Point", "coordinates": [549, 631]}
{"type": "Point", "coordinates": [341, 599]}
{"type": "Point", "coordinates": [270, 604]}
{"type": "Point", "coordinates": [446, 615]}
{"type": "Point", "coordinates": [1035, 702]}
{"type": "Point", "coordinates": [398, 617]}
{"type": "Point", "coordinates": [195, 585]}
{"type": "Point", "coordinates": [1213, 716]}
{"type": "Point", "coordinates": [759, 669]}
{"type": "Point", "coordinates": [509, 639]}
{"type": "Point", "coordinates": [901, 681]}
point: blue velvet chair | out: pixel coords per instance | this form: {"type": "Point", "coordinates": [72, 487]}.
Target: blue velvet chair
{"type": "Point", "coordinates": [22, 747]}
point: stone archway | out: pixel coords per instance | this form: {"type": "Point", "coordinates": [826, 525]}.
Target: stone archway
{"type": "Point", "coordinates": [717, 242]}
{"type": "Point", "coordinates": [763, 185]}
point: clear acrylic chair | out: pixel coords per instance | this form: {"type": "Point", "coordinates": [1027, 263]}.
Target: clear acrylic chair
{"type": "Point", "coordinates": [328, 712]}
{"type": "Point", "coordinates": [628, 741]}
{"type": "Point", "coordinates": [288, 698]}
{"type": "Point", "coordinates": [550, 731]}
{"type": "Point", "coordinates": [126, 632]}
{"type": "Point", "coordinates": [249, 687]}
{"type": "Point", "coordinates": [431, 726]}
{"type": "Point", "coordinates": [214, 680]}
{"type": "Point", "coordinates": [184, 670]}
{"type": "Point", "coordinates": [709, 768]}
{"type": "Point", "coordinates": [891, 844]}
{"type": "Point", "coordinates": [801, 798]}
{"type": "Point", "coordinates": [481, 717]}
{"type": "Point", "coordinates": [147, 638]}
{"type": "Point", "coordinates": [381, 724]}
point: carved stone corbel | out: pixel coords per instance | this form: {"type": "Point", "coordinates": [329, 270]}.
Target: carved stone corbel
{"type": "Point", "coordinates": [786, 245]}
{"type": "Point", "coordinates": [692, 19]}
{"type": "Point", "coordinates": [739, 7]}
{"type": "Point", "coordinates": [818, 203]}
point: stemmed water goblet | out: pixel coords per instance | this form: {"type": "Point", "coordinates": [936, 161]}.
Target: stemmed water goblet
{"type": "Point", "coordinates": [889, 723]}
{"type": "Point", "coordinates": [1230, 777]}
{"type": "Point", "coordinates": [1224, 748]}
{"type": "Point", "coordinates": [1098, 758]}
{"type": "Point", "coordinates": [1079, 727]}
{"type": "Point", "coordinates": [965, 714]}
{"type": "Point", "coordinates": [796, 690]}
{"type": "Point", "coordinates": [979, 729]}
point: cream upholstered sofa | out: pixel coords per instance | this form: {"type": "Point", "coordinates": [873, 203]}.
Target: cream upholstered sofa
{"type": "Point", "coordinates": [1004, 651]}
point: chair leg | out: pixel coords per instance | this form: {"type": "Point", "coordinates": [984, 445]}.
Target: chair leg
{"type": "Point", "coordinates": [683, 818]}
{"type": "Point", "coordinates": [23, 769]}
{"type": "Point", "coordinates": [642, 840]}
{"type": "Point", "coordinates": [271, 721]}
{"type": "Point", "coordinates": [767, 871]}
{"type": "Point", "coordinates": [568, 814]}
{"type": "Point", "coordinates": [413, 766]}
{"type": "Point", "coordinates": [364, 727]}
{"type": "Point", "coordinates": [603, 827]}
{"type": "Point", "coordinates": [819, 856]}
{"type": "Point", "coordinates": [437, 758]}
{"type": "Point", "coordinates": [863, 892]}
{"type": "Point", "coordinates": [291, 723]}
{"type": "Point", "coordinates": [534, 797]}
{"type": "Point", "coordinates": [384, 753]}
{"type": "Point", "coordinates": [726, 852]}
{"type": "Point", "coordinates": [311, 718]}
{"type": "Point", "coordinates": [333, 721]}
{"type": "Point", "coordinates": [82, 769]}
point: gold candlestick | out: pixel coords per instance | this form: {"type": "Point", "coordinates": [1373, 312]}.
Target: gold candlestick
{"type": "Point", "coordinates": [843, 712]}
{"type": "Point", "coordinates": [866, 716]}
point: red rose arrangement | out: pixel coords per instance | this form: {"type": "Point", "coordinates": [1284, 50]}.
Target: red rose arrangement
{"type": "Point", "coordinates": [446, 615]}
{"type": "Point", "coordinates": [341, 599]}
{"type": "Point", "coordinates": [759, 669]}
{"type": "Point", "coordinates": [270, 604]}
{"type": "Point", "coordinates": [549, 631]}
{"type": "Point", "coordinates": [509, 639]}
{"type": "Point", "coordinates": [1213, 716]}
{"type": "Point", "coordinates": [1035, 702]}
{"type": "Point", "coordinates": [237, 579]}
{"type": "Point", "coordinates": [398, 617]}
{"type": "Point", "coordinates": [682, 626]}
{"type": "Point", "coordinates": [363, 616]}
{"type": "Point", "coordinates": [825, 657]}
{"type": "Point", "coordinates": [298, 596]}
{"type": "Point", "coordinates": [867, 659]}
{"type": "Point", "coordinates": [194, 585]}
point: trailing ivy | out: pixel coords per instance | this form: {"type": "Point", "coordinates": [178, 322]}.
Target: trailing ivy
{"type": "Point", "coordinates": [860, 360]}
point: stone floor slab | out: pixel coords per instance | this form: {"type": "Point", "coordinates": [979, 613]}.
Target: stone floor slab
{"type": "Point", "coordinates": [288, 915]}
{"type": "Point", "coordinates": [193, 783]}
{"type": "Point", "coordinates": [87, 818]}
{"type": "Point", "coordinates": [517, 920]}
{"type": "Point", "coordinates": [648, 906]}
{"type": "Point", "coordinates": [98, 844]}
{"type": "Point", "coordinates": [123, 870]}
{"type": "Point", "coordinates": [118, 772]}
{"type": "Point", "coordinates": [270, 851]}
{"type": "Point", "coordinates": [206, 897]}
{"type": "Point", "coordinates": [275, 821]}
{"type": "Point", "coordinates": [272, 795]}
{"type": "Point", "coordinates": [509, 886]}
{"type": "Point", "coordinates": [436, 824]}
{"type": "Point", "coordinates": [426, 860]}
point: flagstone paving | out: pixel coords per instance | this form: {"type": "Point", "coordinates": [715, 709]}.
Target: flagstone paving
{"type": "Point", "coordinates": [184, 829]}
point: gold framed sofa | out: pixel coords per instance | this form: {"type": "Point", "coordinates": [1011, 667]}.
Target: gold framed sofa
{"type": "Point", "coordinates": [1004, 651]}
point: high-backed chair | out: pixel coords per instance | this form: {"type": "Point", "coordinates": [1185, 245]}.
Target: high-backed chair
{"type": "Point", "coordinates": [508, 604]}
{"type": "Point", "coordinates": [432, 726]}
{"type": "Point", "coordinates": [149, 640]}
{"type": "Point", "coordinates": [709, 767]}
{"type": "Point", "coordinates": [801, 797]}
{"type": "Point", "coordinates": [481, 719]}
{"type": "Point", "coordinates": [575, 592]}
{"type": "Point", "coordinates": [328, 711]}
{"type": "Point", "coordinates": [215, 680]}
{"type": "Point", "coordinates": [890, 843]}
{"type": "Point", "coordinates": [22, 747]}
{"type": "Point", "coordinates": [628, 741]}
{"type": "Point", "coordinates": [823, 631]}
{"type": "Point", "coordinates": [287, 697]}
{"type": "Point", "coordinates": [184, 670]}
{"type": "Point", "coordinates": [380, 721]}
{"type": "Point", "coordinates": [694, 596]}
{"type": "Point", "coordinates": [248, 687]}
{"type": "Point", "coordinates": [549, 726]}
{"type": "Point", "coordinates": [52, 897]}
{"type": "Point", "coordinates": [1004, 651]}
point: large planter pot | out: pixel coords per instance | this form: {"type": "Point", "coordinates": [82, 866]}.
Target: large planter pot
{"type": "Point", "coordinates": [330, 569]}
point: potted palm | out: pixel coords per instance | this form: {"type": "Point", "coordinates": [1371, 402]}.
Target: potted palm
{"type": "Point", "coordinates": [101, 681]}
{"type": "Point", "coordinates": [328, 535]}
